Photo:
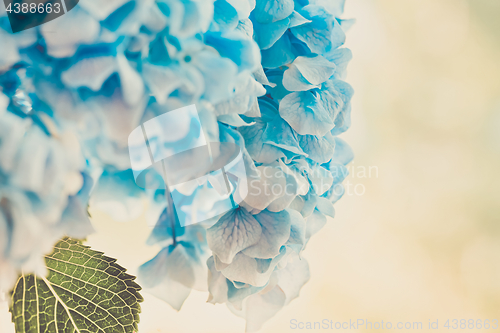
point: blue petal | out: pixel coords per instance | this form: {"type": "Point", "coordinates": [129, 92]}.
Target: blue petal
{"type": "Point", "coordinates": [169, 275]}
{"type": "Point", "coordinates": [307, 72]}
{"type": "Point", "coordinates": [266, 34]}
{"type": "Point", "coordinates": [293, 277]}
{"type": "Point", "coordinates": [90, 72]}
{"type": "Point", "coordinates": [325, 206]}
{"type": "Point", "coordinates": [255, 272]}
{"type": "Point", "coordinates": [343, 152]}
{"type": "Point", "coordinates": [217, 284]}
{"type": "Point", "coordinates": [323, 34]}
{"type": "Point", "coordinates": [306, 114]}
{"type": "Point", "coordinates": [234, 232]}
{"type": "Point", "coordinates": [278, 133]}
{"type": "Point", "coordinates": [267, 11]}
{"type": "Point", "coordinates": [338, 171]}
{"type": "Point", "coordinates": [258, 150]}
{"type": "Point", "coordinates": [243, 7]}
{"type": "Point", "coordinates": [218, 74]}
{"type": "Point", "coordinates": [236, 296]}
{"type": "Point", "coordinates": [268, 187]}
{"type": "Point", "coordinates": [164, 228]}
{"type": "Point", "coordinates": [296, 19]}
{"type": "Point", "coordinates": [319, 149]}
{"type": "Point", "coordinates": [321, 179]}
{"type": "Point", "coordinates": [314, 223]}
{"type": "Point", "coordinates": [75, 220]}
{"type": "Point", "coordinates": [262, 307]}
{"type": "Point", "coordinates": [340, 57]}
{"type": "Point", "coordinates": [278, 91]}
{"type": "Point", "coordinates": [343, 119]}
{"type": "Point", "coordinates": [291, 190]}
{"type": "Point", "coordinates": [118, 195]}
{"type": "Point", "coordinates": [281, 53]}
{"type": "Point", "coordinates": [297, 238]}
{"type": "Point", "coordinates": [225, 15]}
{"type": "Point", "coordinates": [275, 233]}
{"type": "Point", "coordinates": [237, 47]}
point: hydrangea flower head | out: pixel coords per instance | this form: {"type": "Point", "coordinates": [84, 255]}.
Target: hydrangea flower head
{"type": "Point", "coordinates": [264, 75]}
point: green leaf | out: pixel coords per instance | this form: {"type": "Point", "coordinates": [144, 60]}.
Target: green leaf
{"type": "Point", "coordinates": [84, 292]}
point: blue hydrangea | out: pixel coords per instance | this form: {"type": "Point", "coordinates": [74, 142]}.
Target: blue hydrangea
{"type": "Point", "coordinates": [44, 189]}
{"type": "Point", "coordinates": [266, 75]}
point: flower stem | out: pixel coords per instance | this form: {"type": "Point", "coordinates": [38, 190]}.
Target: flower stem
{"type": "Point", "coordinates": [170, 204]}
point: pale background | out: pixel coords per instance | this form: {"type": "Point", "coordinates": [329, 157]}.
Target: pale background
{"type": "Point", "coordinates": [423, 242]}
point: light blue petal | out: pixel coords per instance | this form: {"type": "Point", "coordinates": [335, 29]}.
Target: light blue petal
{"type": "Point", "coordinates": [296, 19]}
{"type": "Point", "coordinates": [225, 15]}
{"type": "Point", "coordinates": [267, 187]}
{"type": "Point", "coordinates": [297, 238]}
{"type": "Point", "coordinates": [234, 232]}
{"type": "Point", "coordinates": [217, 284]}
{"type": "Point", "coordinates": [319, 149]}
{"type": "Point", "coordinates": [170, 291]}
{"type": "Point", "coordinates": [346, 24]}
{"type": "Point", "coordinates": [275, 233]}
{"type": "Point", "coordinates": [278, 133]}
{"type": "Point", "coordinates": [218, 74]}
{"type": "Point", "coordinates": [343, 152]}
{"type": "Point", "coordinates": [266, 34]}
{"type": "Point", "coordinates": [262, 307]}
{"type": "Point", "coordinates": [90, 72]}
{"type": "Point", "coordinates": [320, 178]}
{"type": "Point", "coordinates": [261, 76]}
{"type": "Point", "coordinates": [255, 272]}
{"type": "Point", "coordinates": [289, 193]}
{"type": "Point", "coordinates": [307, 72]}
{"type": "Point", "coordinates": [340, 57]}
{"type": "Point", "coordinates": [278, 91]}
{"type": "Point", "coordinates": [345, 92]}
{"type": "Point", "coordinates": [267, 11]}
{"type": "Point", "coordinates": [306, 114]}
{"type": "Point", "coordinates": [281, 53]}
{"type": "Point", "coordinates": [293, 80]}
{"type": "Point", "coordinates": [245, 26]}
{"type": "Point", "coordinates": [326, 207]}
{"type": "Point", "coordinates": [164, 228]}
{"type": "Point", "coordinates": [236, 295]}
{"type": "Point", "coordinates": [337, 193]}
{"type": "Point", "coordinates": [243, 7]}
{"type": "Point", "coordinates": [173, 273]}
{"type": "Point", "coordinates": [233, 120]}
{"type": "Point", "coordinates": [65, 45]}
{"type": "Point", "coordinates": [258, 150]}
{"type": "Point", "coordinates": [314, 223]}
{"type": "Point", "coordinates": [75, 219]}
{"type": "Point", "coordinates": [293, 277]}
{"type": "Point", "coordinates": [237, 47]}
{"type": "Point", "coordinates": [323, 34]}
{"type": "Point", "coordinates": [338, 171]}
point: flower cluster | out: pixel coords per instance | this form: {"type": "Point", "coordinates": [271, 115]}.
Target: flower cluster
{"type": "Point", "coordinates": [44, 189]}
{"type": "Point", "coordinates": [266, 75]}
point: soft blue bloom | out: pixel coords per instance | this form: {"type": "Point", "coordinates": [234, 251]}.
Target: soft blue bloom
{"type": "Point", "coordinates": [43, 190]}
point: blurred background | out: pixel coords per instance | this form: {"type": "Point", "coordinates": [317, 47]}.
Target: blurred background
{"type": "Point", "coordinates": [418, 239]}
